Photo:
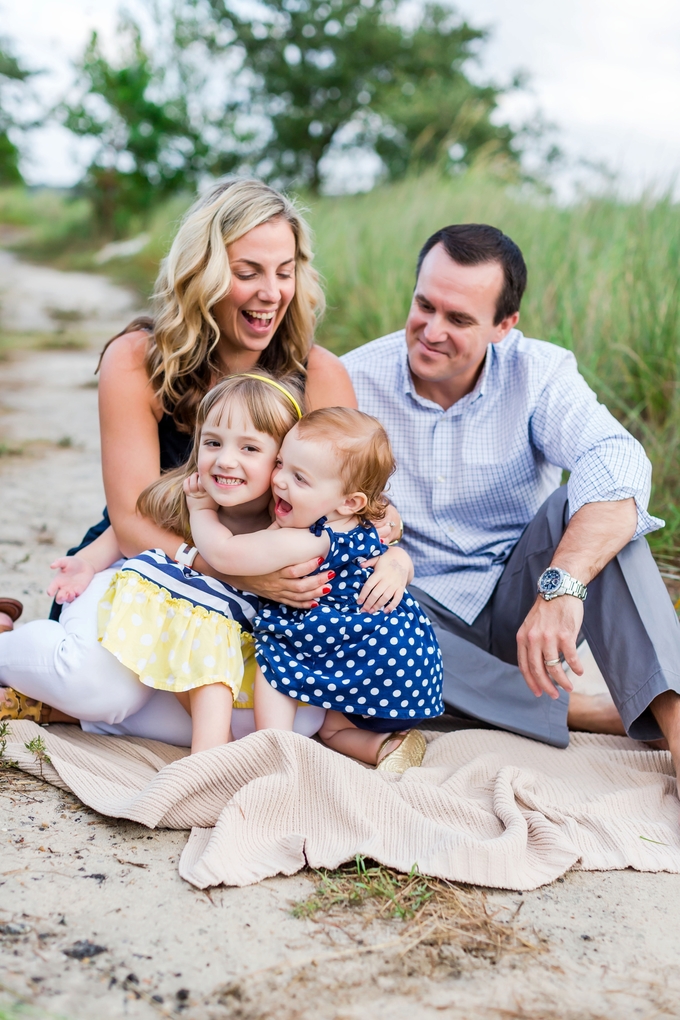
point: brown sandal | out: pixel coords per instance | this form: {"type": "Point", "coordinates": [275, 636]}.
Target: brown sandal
{"type": "Point", "coordinates": [13, 608]}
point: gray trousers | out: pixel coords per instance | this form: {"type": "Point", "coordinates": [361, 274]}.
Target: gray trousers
{"type": "Point", "coordinates": [629, 622]}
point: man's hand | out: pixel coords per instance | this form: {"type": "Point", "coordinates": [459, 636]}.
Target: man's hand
{"type": "Point", "coordinates": [594, 535]}
{"type": "Point", "coordinates": [196, 496]}
{"type": "Point", "coordinates": [550, 630]}
{"type": "Point", "coordinates": [389, 527]}
{"type": "Point", "coordinates": [293, 586]}
{"type": "Point", "coordinates": [73, 578]}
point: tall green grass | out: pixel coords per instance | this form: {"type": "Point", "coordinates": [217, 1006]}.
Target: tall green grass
{"type": "Point", "coordinates": [603, 282]}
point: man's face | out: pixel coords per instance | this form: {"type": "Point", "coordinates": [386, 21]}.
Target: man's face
{"type": "Point", "coordinates": [451, 320]}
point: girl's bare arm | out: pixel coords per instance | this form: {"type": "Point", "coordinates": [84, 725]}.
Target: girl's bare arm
{"type": "Point", "coordinates": [261, 551]}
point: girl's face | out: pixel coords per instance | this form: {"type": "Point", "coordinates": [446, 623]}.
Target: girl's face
{"type": "Point", "coordinates": [263, 285]}
{"type": "Point", "coordinates": [306, 484]}
{"type": "Point", "coordinates": [235, 461]}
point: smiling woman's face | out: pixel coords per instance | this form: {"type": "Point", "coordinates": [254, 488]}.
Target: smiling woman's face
{"type": "Point", "coordinates": [263, 285]}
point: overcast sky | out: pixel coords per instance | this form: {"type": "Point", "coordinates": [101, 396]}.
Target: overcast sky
{"type": "Point", "coordinates": [607, 72]}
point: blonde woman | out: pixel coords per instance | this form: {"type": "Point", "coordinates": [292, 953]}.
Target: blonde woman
{"type": "Point", "coordinates": [238, 290]}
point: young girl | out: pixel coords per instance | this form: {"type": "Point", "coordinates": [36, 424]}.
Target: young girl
{"type": "Point", "coordinates": [372, 672]}
{"type": "Point", "coordinates": [177, 629]}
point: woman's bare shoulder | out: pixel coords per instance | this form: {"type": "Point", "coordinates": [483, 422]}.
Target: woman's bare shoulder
{"type": "Point", "coordinates": [328, 382]}
{"type": "Point", "coordinates": [127, 352]}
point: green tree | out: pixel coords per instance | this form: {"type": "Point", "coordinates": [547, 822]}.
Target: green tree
{"type": "Point", "coordinates": [152, 141]}
{"type": "Point", "coordinates": [11, 75]}
{"type": "Point", "coordinates": [324, 71]}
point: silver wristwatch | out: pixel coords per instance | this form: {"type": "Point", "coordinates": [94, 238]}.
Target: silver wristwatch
{"type": "Point", "coordinates": [554, 582]}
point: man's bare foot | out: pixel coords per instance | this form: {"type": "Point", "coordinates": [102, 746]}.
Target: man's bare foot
{"type": "Point", "coordinates": [594, 713]}
{"type": "Point", "coordinates": [666, 709]}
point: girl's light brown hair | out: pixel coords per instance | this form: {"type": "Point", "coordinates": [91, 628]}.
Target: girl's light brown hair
{"type": "Point", "coordinates": [182, 357]}
{"type": "Point", "coordinates": [362, 448]}
{"type": "Point", "coordinates": [271, 412]}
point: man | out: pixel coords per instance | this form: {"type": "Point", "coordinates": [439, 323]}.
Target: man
{"type": "Point", "coordinates": [483, 420]}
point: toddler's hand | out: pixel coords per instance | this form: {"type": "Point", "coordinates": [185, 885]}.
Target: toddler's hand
{"type": "Point", "coordinates": [386, 585]}
{"type": "Point", "coordinates": [73, 578]}
{"type": "Point", "coordinates": [197, 497]}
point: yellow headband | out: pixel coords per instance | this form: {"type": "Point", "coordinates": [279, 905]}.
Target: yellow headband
{"type": "Point", "coordinates": [263, 378]}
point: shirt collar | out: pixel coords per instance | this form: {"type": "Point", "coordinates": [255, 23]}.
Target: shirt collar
{"type": "Point", "coordinates": [479, 389]}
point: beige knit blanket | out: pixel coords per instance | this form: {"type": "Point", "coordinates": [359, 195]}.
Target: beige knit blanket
{"type": "Point", "coordinates": [486, 807]}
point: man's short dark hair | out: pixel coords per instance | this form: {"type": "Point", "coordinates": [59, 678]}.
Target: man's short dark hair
{"type": "Point", "coordinates": [471, 244]}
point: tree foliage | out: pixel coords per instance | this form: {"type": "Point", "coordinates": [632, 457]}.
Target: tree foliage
{"type": "Point", "coordinates": [11, 74]}
{"type": "Point", "coordinates": [150, 141]}
{"type": "Point", "coordinates": [328, 73]}
{"type": "Point", "coordinates": [275, 87]}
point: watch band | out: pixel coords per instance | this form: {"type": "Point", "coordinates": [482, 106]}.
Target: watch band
{"type": "Point", "coordinates": [186, 555]}
{"type": "Point", "coordinates": [574, 587]}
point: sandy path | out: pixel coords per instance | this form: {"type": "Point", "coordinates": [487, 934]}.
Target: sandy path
{"type": "Point", "coordinates": [67, 874]}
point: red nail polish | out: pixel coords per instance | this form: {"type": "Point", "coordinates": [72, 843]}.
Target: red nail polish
{"type": "Point", "coordinates": [320, 560]}
{"type": "Point", "coordinates": [331, 575]}
{"type": "Point", "coordinates": [314, 605]}
{"type": "Point", "coordinates": [326, 589]}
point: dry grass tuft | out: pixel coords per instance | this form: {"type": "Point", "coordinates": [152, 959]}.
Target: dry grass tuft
{"type": "Point", "coordinates": [432, 911]}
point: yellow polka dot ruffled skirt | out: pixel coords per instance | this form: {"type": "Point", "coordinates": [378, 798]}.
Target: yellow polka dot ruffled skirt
{"type": "Point", "coordinates": [172, 643]}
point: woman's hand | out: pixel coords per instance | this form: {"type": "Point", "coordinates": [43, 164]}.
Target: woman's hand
{"type": "Point", "coordinates": [294, 586]}
{"type": "Point", "coordinates": [197, 497]}
{"type": "Point", "coordinates": [390, 527]}
{"type": "Point", "coordinates": [74, 575]}
{"type": "Point", "coordinates": [385, 588]}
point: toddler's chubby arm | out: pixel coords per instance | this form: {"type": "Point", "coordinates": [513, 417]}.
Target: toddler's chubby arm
{"type": "Point", "coordinates": [385, 588]}
{"type": "Point", "coordinates": [254, 554]}
{"type": "Point", "coordinates": [76, 572]}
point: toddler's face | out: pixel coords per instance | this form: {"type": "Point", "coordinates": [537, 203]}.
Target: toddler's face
{"type": "Point", "coordinates": [235, 461]}
{"type": "Point", "coordinates": [306, 482]}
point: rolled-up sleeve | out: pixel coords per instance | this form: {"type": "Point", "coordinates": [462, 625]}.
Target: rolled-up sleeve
{"type": "Point", "coordinates": [575, 432]}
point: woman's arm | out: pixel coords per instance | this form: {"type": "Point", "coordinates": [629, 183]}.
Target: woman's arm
{"type": "Point", "coordinates": [128, 415]}
{"type": "Point", "coordinates": [328, 383]}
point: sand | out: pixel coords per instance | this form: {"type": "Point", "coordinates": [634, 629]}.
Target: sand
{"type": "Point", "coordinates": [611, 941]}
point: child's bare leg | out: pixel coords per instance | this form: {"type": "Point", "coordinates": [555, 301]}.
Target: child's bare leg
{"type": "Point", "coordinates": [185, 700]}
{"type": "Point", "coordinates": [273, 710]}
{"type": "Point", "coordinates": [340, 733]}
{"type": "Point", "coordinates": [211, 707]}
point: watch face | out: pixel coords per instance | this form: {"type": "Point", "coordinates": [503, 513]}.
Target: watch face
{"type": "Point", "coordinates": [550, 581]}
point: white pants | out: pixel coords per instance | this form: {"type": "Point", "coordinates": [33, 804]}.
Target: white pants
{"type": "Point", "coordinates": [64, 665]}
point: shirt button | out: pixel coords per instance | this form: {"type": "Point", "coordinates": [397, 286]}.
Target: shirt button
{"type": "Point", "coordinates": [440, 478]}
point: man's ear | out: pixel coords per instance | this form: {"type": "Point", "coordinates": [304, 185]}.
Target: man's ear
{"type": "Point", "coordinates": [504, 327]}
{"type": "Point", "coordinates": [353, 504]}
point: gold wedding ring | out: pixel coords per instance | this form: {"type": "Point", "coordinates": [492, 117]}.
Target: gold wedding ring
{"type": "Point", "coordinates": [551, 662]}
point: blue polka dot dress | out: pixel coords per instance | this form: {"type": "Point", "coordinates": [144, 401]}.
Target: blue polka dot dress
{"type": "Point", "coordinates": [378, 665]}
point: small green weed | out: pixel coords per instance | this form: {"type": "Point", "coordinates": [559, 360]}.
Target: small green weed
{"type": "Point", "coordinates": [5, 763]}
{"type": "Point", "coordinates": [37, 747]}
{"type": "Point", "coordinates": [433, 911]}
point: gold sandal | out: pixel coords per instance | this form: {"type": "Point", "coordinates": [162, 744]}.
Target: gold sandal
{"type": "Point", "coordinates": [408, 755]}
{"type": "Point", "coordinates": [14, 705]}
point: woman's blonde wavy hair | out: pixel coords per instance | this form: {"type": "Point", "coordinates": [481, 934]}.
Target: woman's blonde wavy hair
{"type": "Point", "coordinates": [271, 412]}
{"type": "Point", "coordinates": [181, 359]}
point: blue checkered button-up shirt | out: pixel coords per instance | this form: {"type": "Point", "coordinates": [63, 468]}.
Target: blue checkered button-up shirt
{"type": "Point", "coordinates": [469, 479]}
